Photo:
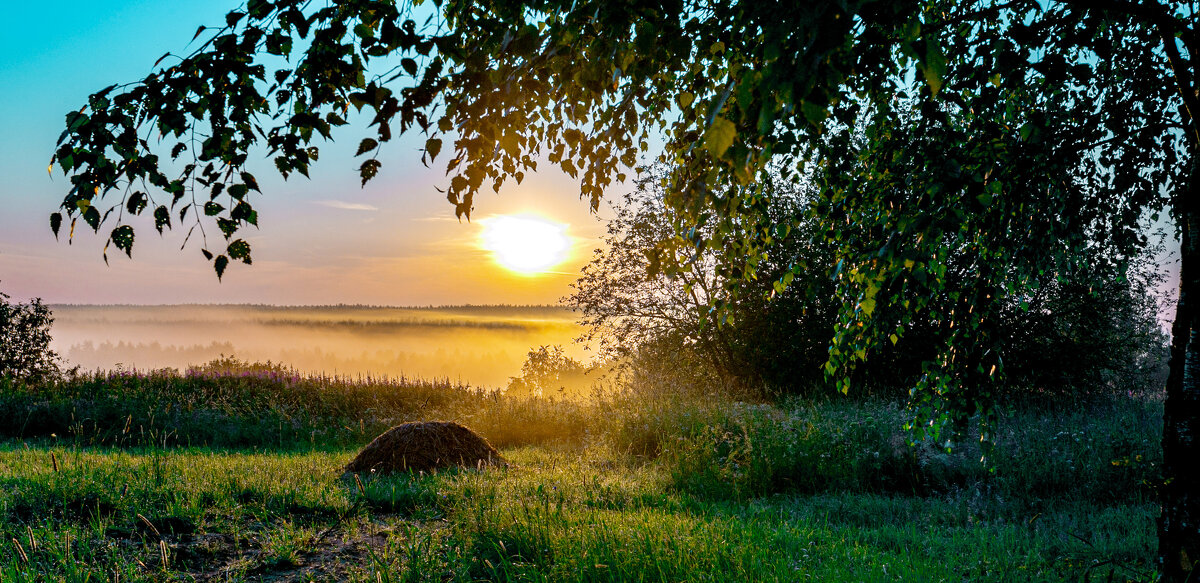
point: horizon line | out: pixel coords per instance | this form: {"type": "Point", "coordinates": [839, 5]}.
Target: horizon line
{"type": "Point", "coordinates": [338, 305]}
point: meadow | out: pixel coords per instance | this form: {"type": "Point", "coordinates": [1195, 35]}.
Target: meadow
{"type": "Point", "coordinates": [231, 472]}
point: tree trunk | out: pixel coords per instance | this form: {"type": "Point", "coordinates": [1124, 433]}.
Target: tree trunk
{"type": "Point", "coordinates": [1179, 523]}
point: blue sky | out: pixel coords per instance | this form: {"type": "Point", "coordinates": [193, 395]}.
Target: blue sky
{"type": "Point", "coordinates": [324, 240]}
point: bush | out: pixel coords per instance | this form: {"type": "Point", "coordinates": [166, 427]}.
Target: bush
{"type": "Point", "coordinates": [1102, 450]}
{"type": "Point", "coordinates": [25, 352]}
{"type": "Point", "coordinates": [750, 450]}
{"type": "Point", "coordinates": [548, 371]}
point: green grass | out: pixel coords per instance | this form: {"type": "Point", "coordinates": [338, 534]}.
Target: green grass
{"type": "Point", "coordinates": [558, 515]}
{"type": "Point", "coordinates": [224, 476]}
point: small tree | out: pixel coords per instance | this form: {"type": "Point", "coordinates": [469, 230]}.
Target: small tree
{"type": "Point", "coordinates": [546, 370]}
{"type": "Point", "coordinates": [647, 292]}
{"type": "Point", "coordinates": [25, 351]}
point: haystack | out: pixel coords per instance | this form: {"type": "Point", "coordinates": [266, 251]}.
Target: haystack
{"type": "Point", "coordinates": [425, 446]}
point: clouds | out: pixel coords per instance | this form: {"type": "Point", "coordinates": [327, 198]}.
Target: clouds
{"type": "Point", "coordinates": [346, 206]}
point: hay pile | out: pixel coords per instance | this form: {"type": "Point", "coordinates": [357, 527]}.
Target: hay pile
{"type": "Point", "coordinates": [425, 446]}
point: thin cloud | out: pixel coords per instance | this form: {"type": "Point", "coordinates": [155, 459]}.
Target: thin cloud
{"type": "Point", "coordinates": [437, 220]}
{"type": "Point", "coordinates": [346, 206]}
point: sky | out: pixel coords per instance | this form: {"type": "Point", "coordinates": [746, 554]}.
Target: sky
{"type": "Point", "coordinates": [320, 241]}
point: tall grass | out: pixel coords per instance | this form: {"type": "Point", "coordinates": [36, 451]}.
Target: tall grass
{"type": "Point", "coordinates": [713, 446]}
{"type": "Point", "coordinates": [1105, 451]}
{"type": "Point", "coordinates": [229, 403]}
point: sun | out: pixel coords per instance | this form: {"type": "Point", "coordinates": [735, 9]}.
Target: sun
{"type": "Point", "coordinates": [525, 244]}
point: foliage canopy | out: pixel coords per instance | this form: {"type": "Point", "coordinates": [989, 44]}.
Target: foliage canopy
{"type": "Point", "coordinates": [1089, 332]}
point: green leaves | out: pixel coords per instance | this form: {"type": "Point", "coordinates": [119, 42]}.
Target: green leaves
{"type": "Point", "coordinates": [279, 43]}
{"type": "Point", "coordinates": [258, 9]}
{"type": "Point", "coordinates": [228, 226]}
{"type": "Point", "coordinates": [244, 212]}
{"type": "Point", "coordinates": [122, 237]}
{"type": "Point", "coordinates": [815, 113]}
{"type": "Point", "coordinates": [867, 304]}
{"type": "Point", "coordinates": [76, 120]}
{"type": "Point", "coordinates": [933, 65]}
{"type": "Point", "coordinates": [91, 216]}
{"type": "Point", "coordinates": [719, 136]}
{"type": "Point", "coordinates": [433, 147]}
{"type": "Point", "coordinates": [239, 250]}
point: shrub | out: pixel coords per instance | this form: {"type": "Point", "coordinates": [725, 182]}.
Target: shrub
{"type": "Point", "coordinates": [549, 371]}
{"type": "Point", "coordinates": [25, 352]}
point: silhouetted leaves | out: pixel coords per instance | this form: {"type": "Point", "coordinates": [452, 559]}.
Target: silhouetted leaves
{"type": "Point", "coordinates": [219, 265]}
{"type": "Point", "coordinates": [368, 170]}
{"type": "Point", "coordinates": [162, 218]}
{"type": "Point", "coordinates": [244, 212]}
{"type": "Point", "coordinates": [366, 145]}
{"type": "Point", "coordinates": [240, 250]}
{"type": "Point", "coordinates": [122, 237]}
{"type": "Point", "coordinates": [433, 147]}
{"type": "Point", "coordinates": [136, 202]}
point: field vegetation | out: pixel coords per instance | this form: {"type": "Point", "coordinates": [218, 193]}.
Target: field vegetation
{"type": "Point", "coordinates": [231, 471]}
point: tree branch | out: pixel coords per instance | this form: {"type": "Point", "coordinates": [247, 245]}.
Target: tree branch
{"type": "Point", "coordinates": [1168, 27]}
{"type": "Point", "coordinates": [1184, 81]}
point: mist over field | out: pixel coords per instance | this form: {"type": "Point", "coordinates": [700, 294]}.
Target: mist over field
{"type": "Point", "coordinates": [478, 345]}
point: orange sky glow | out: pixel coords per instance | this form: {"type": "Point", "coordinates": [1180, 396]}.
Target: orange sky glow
{"type": "Point", "coordinates": [320, 241]}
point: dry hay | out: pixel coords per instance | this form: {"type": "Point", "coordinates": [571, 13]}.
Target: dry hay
{"type": "Point", "coordinates": [425, 446]}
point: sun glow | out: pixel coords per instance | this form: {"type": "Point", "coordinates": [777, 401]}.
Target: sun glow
{"type": "Point", "coordinates": [525, 244]}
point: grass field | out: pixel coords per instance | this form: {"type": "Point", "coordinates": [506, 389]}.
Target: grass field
{"type": "Point", "coordinates": [119, 477]}
{"type": "Point", "coordinates": [559, 515]}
